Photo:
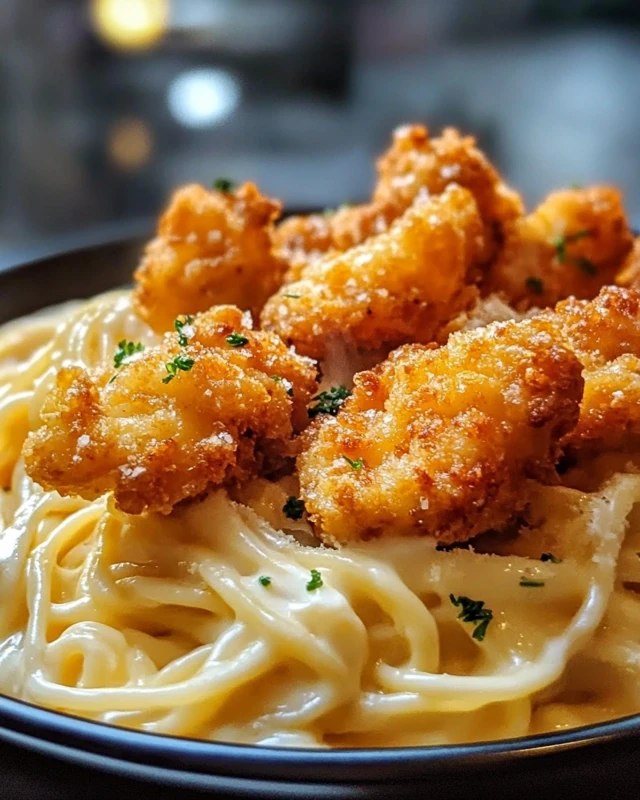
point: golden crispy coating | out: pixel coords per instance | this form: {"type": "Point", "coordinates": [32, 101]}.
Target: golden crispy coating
{"type": "Point", "coordinates": [219, 420]}
{"type": "Point", "coordinates": [399, 286]}
{"type": "Point", "coordinates": [605, 336]}
{"type": "Point", "coordinates": [414, 164]}
{"type": "Point", "coordinates": [572, 244]}
{"type": "Point", "coordinates": [629, 275]}
{"type": "Point", "coordinates": [439, 442]}
{"type": "Point", "coordinates": [212, 248]}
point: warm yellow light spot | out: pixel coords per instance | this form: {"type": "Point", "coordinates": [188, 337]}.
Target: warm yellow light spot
{"type": "Point", "coordinates": [130, 24]}
{"type": "Point", "coordinates": [130, 143]}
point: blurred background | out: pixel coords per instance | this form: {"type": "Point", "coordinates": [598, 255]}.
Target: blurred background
{"type": "Point", "coordinates": [107, 104]}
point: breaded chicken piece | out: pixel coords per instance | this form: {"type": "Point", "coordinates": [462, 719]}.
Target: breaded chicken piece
{"type": "Point", "coordinates": [213, 247]}
{"type": "Point", "coordinates": [213, 404]}
{"type": "Point", "coordinates": [414, 164]}
{"type": "Point", "coordinates": [399, 286]}
{"type": "Point", "coordinates": [605, 336]}
{"type": "Point", "coordinates": [572, 244]}
{"type": "Point", "coordinates": [440, 442]}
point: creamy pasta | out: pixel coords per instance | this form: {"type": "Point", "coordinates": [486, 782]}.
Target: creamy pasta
{"type": "Point", "coordinates": [227, 621]}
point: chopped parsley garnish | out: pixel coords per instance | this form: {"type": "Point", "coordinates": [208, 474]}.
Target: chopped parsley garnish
{"type": "Point", "coordinates": [265, 580]}
{"type": "Point", "coordinates": [534, 285]}
{"type": "Point", "coordinates": [292, 296]}
{"type": "Point", "coordinates": [329, 402]}
{"type": "Point", "coordinates": [529, 582]}
{"type": "Point", "coordinates": [126, 350]}
{"type": "Point", "coordinates": [294, 507]}
{"type": "Point", "coordinates": [561, 242]}
{"type": "Point", "coordinates": [328, 212]}
{"type": "Point", "coordinates": [315, 582]}
{"type": "Point", "coordinates": [473, 611]}
{"type": "Point", "coordinates": [180, 324]}
{"type": "Point", "coordinates": [287, 384]}
{"type": "Point", "coordinates": [237, 340]}
{"type": "Point", "coordinates": [550, 557]}
{"type": "Point", "coordinates": [357, 464]}
{"type": "Point", "coordinates": [224, 185]}
{"type": "Point", "coordinates": [179, 364]}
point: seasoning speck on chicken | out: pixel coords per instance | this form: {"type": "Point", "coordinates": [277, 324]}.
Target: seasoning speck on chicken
{"type": "Point", "coordinates": [446, 437]}
{"type": "Point", "coordinates": [571, 245]}
{"type": "Point", "coordinates": [399, 286]}
{"type": "Point", "coordinates": [221, 419]}
{"type": "Point", "coordinates": [212, 247]}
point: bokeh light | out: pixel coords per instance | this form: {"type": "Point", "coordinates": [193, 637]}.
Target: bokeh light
{"type": "Point", "coordinates": [130, 24]}
{"type": "Point", "coordinates": [200, 98]}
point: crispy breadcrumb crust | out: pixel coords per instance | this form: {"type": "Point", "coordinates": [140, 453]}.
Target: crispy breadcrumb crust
{"type": "Point", "coordinates": [415, 164]}
{"type": "Point", "coordinates": [440, 441]}
{"type": "Point", "coordinates": [154, 444]}
{"type": "Point", "coordinates": [399, 286]}
{"type": "Point", "coordinates": [212, 247]}
{"type": "Point", "coordinates": [571, 245]}
{"type": "Point", "coordinates": [605, 336]}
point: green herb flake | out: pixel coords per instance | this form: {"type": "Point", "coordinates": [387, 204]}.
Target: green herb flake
{"type": "Point", "coordinates": [265, 580]}
{"type": "Point", "coordinates": [473, 611]}
{"type": "Point", "coordinates": [534, 285]}
{"type": "Point", "coordinates": [294, 507]}
{"type": "Point", "coordinates": [179, 364]}
{"type": "Point", "coordinates": [224, 185]}
{"type": "Point", "coordinates": [315, 582]}
{"type": "Point", "coordinates": [329, 402]}
{"type": "Point", "coordinates": [530, 583]}
{"type": "Point", "coordinates": [357, 464]}
{"type": "Point", "coordinates": [292, 296]}
{"type": "Point", "coordinates": [560, 243]}
{"type": "Point", "coordinates": [237, 340]}
{"type": "Point", "coordinates": [550, 557]}
{"type": "Point", "coordinates": [287, 384]}
{"type": "Point", "coordinates": [126, 350]}
{"type": "Point", "coordinates": [180, 325]}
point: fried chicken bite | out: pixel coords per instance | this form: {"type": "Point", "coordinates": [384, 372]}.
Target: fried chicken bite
{"type": "Point", "coordinates": [605, 336]}
{"type": "Point", "coordinates": [215, 404]}
{"type": "Point", "coordinates": [572, 244]}
{"type": "Point", "coordinates": [415, 164]}
{"type": "Point", "coordinates": [399, 286]}
{"type": "Point", "coordinates": [213, 247]}
{"type": "Point", "coordinates": [440, 442]}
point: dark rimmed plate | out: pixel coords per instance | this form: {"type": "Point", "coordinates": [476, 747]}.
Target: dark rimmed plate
{"type": "Point", "coordinates": [48, 755]}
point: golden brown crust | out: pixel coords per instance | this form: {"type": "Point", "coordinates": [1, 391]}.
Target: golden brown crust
{"type": "Point", "coordinates": [155, 444]}
{"type": "Point", "coordinates": [605, 336]}
{"type": "Point", "coordinates": [399, 286]}
{"type": "Point", "coordinates": [446, 437]}
{"type": "Point", "coordinates": [572, 244]}
{"type": "Point", "coordinates": [212, 248]}
{"type": "Point", "coordinates": [415, 164]}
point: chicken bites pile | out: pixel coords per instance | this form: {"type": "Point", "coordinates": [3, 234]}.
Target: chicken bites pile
{"type": "Point", "coordinates": [505, 343]}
